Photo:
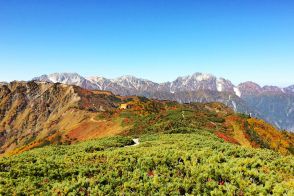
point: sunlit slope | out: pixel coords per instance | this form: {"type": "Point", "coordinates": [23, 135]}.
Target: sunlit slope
{"type": "Point", "coordinates": [169, 164]}
{"type": "Point", "coordinates": [213, 117]}
{"type": "Point", "coordinates": [38, 114]}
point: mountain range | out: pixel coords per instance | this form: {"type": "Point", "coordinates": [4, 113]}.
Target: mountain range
{"type": "Point", "coordinates": [35, 114]}
{"type": "Point", "coordinates": [271, 103]}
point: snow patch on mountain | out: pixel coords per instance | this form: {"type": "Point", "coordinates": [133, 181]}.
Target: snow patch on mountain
{"type": "Point", "coordinates": [134, 83]}
{"type": "Point", "coordinates": [101, 82]}
{"type": "Point", "coordinates": [131, 84]}
{"type": "Point", "coordinates": [201, 77]}
{"type": "Point", "coordinates": [219, 85]}
{"type": "Point", "coordinates": [237, 91]}
{"type": "Point", "coordinates": [234, 106]}
{"type": "Point", "coordinates": [65, 78]}
{"type": "Point", "coordinates": [289, 89]}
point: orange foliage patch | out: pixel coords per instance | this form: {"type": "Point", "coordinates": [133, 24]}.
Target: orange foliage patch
{"type": "Point", "coordinates": [278, 140]}
{"type": "Point", "coordinates": [226, 138]}
{"type": "Point", "coordinates": [95, 129]}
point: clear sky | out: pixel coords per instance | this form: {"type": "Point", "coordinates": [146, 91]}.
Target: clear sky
{"type": "Point", "coordinates": [155, 39]}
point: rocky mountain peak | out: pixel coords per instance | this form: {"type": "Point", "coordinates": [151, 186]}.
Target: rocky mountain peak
{"type": "Point", "coordinates": [130, 78]}
{"type": "Point", "coordinates": [96, 78]}
{"type": "Point", "coordinates": [127, 77]}
{"type": "Point", "coordinates": [273, 89]}
{"type": "Point", "coordinates": [224, 85]}
{"type": "Point", "coordinates": [289, 89]}
{"type": "Point", "coordinates": [61, 78]}
{"type": "Point", "coordinates": [248, 88]}
{"type": "Point", "coordinates": [67, 78]}
{"type": "Point", "coordinates": [202, 76]}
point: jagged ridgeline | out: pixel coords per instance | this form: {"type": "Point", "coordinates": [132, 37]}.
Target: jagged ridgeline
{"type": "Point", "coordinates": [36, 114]}
{"type": "Point", "coordinates": [271, 103]}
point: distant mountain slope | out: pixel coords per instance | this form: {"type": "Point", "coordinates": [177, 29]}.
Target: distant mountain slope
{"type": "Point", "coordinates": [289, 89]}
{"type": "Point", "coordinates": [273, 104]}
{"type": "Point", "coordinates": [35, 114]}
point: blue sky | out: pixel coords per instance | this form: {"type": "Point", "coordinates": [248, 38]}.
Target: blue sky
{"type": "Point", "coordinates": [156, 39]}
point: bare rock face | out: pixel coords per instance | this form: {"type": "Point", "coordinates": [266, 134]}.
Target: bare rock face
{"type": "Point", "coordinates": [249, 88]}
{"type": "Point", "coordinates": [29, 108]}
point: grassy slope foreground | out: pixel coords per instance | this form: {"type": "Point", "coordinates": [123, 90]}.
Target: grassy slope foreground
{"type": "Point", "coordinates": [162, 164]}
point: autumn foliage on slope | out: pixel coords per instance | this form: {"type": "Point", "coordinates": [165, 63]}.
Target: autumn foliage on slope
{"type": "Point", "coordinates": [34, 114]}
{"type": "Point", "coordinates": [234, 128]}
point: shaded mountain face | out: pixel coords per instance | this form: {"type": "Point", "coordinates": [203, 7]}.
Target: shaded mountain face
{"type": "Point", "coordinates": [289, 89]}
{"type": "Point", "coordinates": [273, 106]}
{"type": "Point", "coordinates": [271, 103]}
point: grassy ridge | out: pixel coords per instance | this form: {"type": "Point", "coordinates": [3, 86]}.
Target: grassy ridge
{"type": "Point", "coordinates": [213, 117]}
{"type": "Point", "coordinates": [174, 164]}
